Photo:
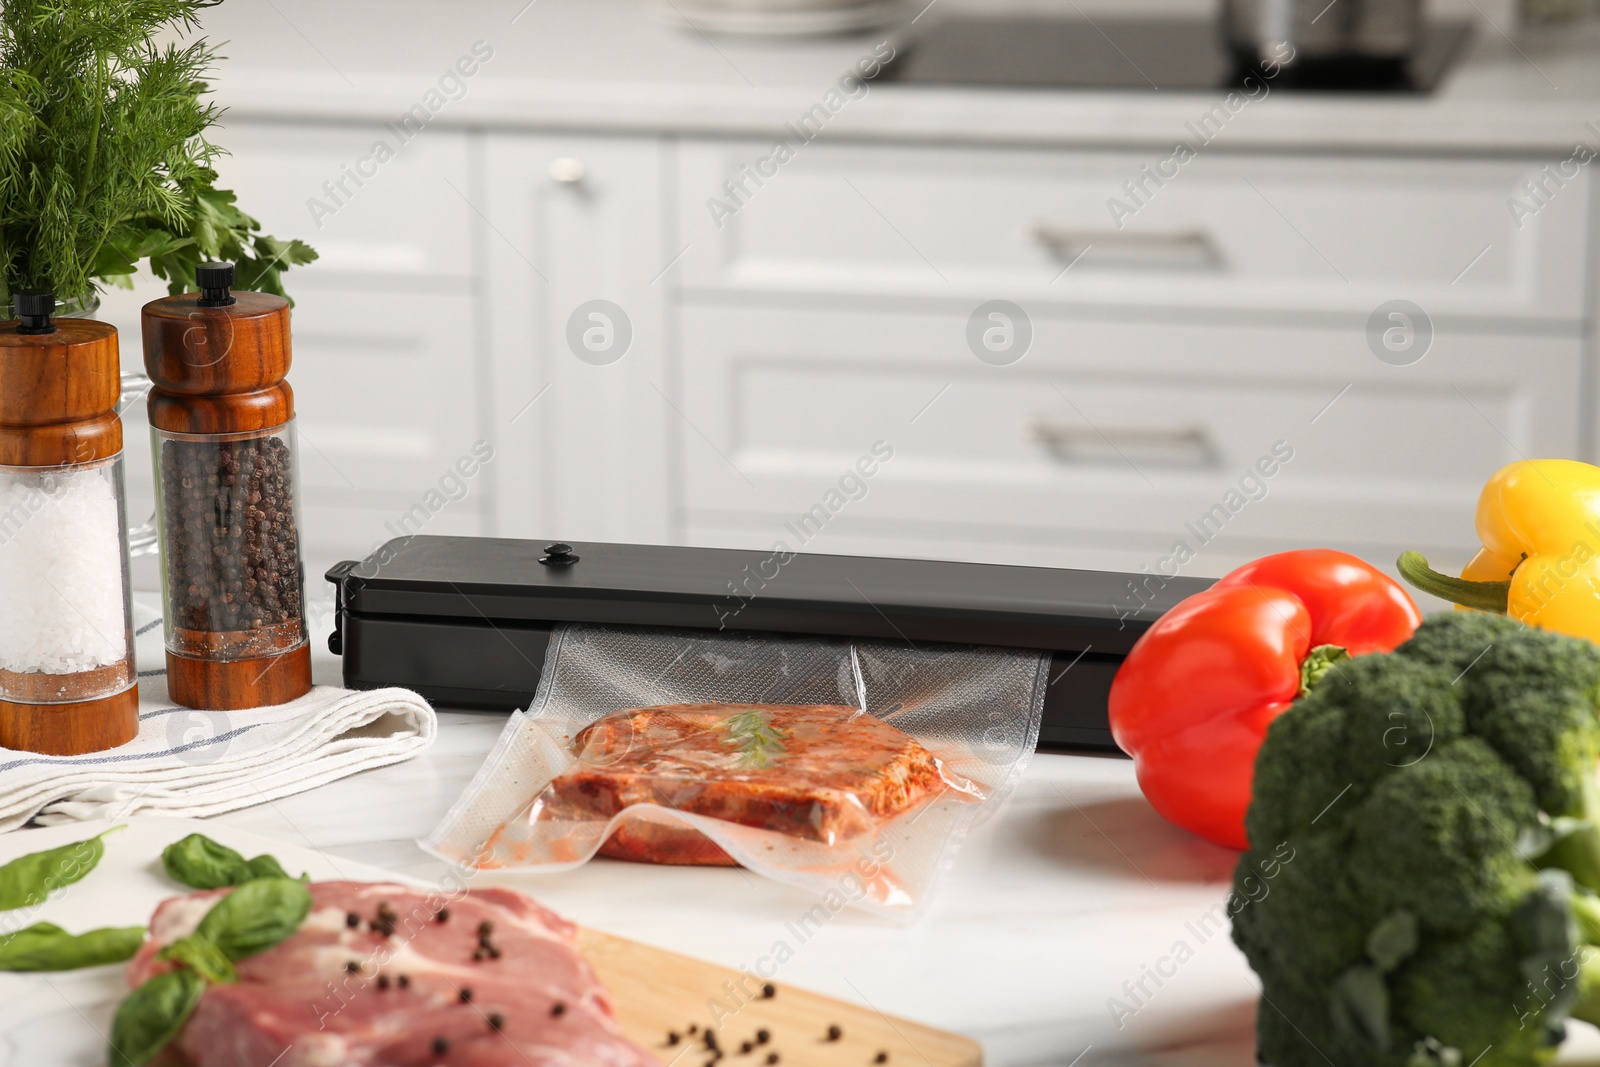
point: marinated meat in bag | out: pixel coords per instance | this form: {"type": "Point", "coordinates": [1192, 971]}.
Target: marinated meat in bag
{"type": "Point", "coordinates": [818, 772]}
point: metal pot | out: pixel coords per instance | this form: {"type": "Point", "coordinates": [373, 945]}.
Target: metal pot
{"type": "Point", "coordinates": [1320, 29]}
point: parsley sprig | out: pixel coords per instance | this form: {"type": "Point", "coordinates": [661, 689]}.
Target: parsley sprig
{"type": "Point", "coordinates": [757, 740]}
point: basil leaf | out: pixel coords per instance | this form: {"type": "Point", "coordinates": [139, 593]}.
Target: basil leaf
{"type": "Point", "coordinates": [256, 916]}
{"type": "Point", "coordinates": [47, 947]}
{"type": "Point", "coordinates": [203, 958]}
{"type": "Point", "coordinates": [268, 867]}
{"type": "Point", "coordinates": [201, 863]}
{"type": "Point", "coordinates": [28, 880]}
{"type": "Point", "coordinates": [152, 1015]}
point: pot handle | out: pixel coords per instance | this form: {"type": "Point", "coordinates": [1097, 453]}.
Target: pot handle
{"type": "Point", "coordinates": [142, 539]}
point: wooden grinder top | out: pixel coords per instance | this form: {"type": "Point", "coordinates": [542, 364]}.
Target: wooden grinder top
{"type": "Point", "coordinates": [218, 369]}
{"type": "Point", "coordinates": [58, 389]}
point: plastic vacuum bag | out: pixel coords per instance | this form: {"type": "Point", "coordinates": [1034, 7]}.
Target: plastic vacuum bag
{"type": "Point", "coordinates": [849, 769]}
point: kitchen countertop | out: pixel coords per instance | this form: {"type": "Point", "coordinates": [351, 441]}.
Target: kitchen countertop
{"type": "Point", "coordinates": [1035, 943]}
{"type": "Point", "coordinates": [616, 66]}
{"type": "Point", "coordinates": [1070, 891]}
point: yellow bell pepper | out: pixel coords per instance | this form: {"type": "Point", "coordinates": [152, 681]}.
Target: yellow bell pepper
{"type": "Point", "coordinates": [1539, 521]}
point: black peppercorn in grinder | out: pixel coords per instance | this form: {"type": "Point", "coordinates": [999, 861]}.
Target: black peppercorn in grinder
{"type": "Point", "coordinates": [222, 425]}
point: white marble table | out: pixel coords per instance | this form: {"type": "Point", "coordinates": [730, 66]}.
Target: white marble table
{"type": "Point", "coordinates": [1069, 892]}
{"type": "Point", "coordinates": [1066, 899]}
{"type": "Point", "coordinates": [1074, 889]}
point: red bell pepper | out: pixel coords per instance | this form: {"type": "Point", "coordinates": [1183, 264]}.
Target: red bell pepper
{"type": "Point", "coordinates": [1195, 696]}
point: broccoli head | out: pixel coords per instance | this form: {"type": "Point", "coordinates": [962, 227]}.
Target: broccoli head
{"type": "Point", "coordinates": [1439, 811]}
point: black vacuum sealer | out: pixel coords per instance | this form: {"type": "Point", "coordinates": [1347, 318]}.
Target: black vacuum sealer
{"type": "Point", "coordinates": [464, 621]}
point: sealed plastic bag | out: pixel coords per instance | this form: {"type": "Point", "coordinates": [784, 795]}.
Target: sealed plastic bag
{"type": "Point", "coordinates": [850, 769]}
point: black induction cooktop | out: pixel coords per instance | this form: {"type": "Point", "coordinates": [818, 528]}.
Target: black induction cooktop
{"type": "Point", "coordinates": [1144, 54]}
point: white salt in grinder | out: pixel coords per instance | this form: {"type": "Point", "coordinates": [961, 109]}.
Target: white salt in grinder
{"type": "Point", "coordinates": [67, 680]}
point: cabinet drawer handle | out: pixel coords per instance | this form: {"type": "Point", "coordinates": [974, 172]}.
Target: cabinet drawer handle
{"type": "Point", "coordinates": [1184, 250]}
{"type": "Point", "coordinates": [1189, 447]}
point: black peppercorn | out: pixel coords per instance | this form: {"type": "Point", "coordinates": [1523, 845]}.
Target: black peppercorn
{"type": "Point", "coordinates": [673, 1038]}
{"type": "Point", "coordinates": [465, 993]}
{"type": "Point", "coordinates": [769, 991]}
{"type": "Point", "coordinates": [558, 1009]}
{"type": "Point", "coordinates": [405, 981]}
{"type": "Point", "coordinates": [352, 920]}
{"type": "Point", "coordinates": [384, 923]}
{"type": "Point", "coordinates": [233, 554]}
{"type": "Point", "coordinates": [834, 1033]}
{"type": "Point", "coordinates": [351, 967]}
{"type": "Point", "coordinates": [383, 981]}
{"type": "Point", "coordinates": [763, 1036]}
{"type": "Point", "coordinates": [497, 1021]}
{"type": "Point", "coordinates": [441, 1045]}
{"type": "Point", "coordinates": [746, 1048]}
{"type": "Point", "coordinates": [442, 915]}
{"type": "Point", "coordinates": [772, 1057]}
{"type": "Point", "coordinates": [881, 1057]}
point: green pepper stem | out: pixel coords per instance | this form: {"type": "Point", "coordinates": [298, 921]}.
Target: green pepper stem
{"type": "Point", "coordinates": [1319, 661]}
{"type": "Point", "coordinates": [1480, 596]}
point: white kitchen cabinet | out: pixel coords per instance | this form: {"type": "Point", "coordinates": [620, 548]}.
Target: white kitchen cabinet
{"type": "Point", "coordinates": [581, 404]}
{"type": "Point", "coordinates": [1231, 313]}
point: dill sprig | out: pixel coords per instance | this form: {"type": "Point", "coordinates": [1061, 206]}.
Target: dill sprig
{"type": "Point", "coordinates": [757, 740]}
{"type": "Point", "coordinates": [104, 160]}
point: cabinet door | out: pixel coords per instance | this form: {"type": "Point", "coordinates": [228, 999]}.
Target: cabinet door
{"type": "Point", "coordinates": [572, 229]}
{"type": "Point", "coordinates": [400, 223]}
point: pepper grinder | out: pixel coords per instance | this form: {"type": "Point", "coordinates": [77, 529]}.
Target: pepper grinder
{"type": "Point", "coordinates": [222, 427]}
{"type": "Point", "coordinates": [68, 685]}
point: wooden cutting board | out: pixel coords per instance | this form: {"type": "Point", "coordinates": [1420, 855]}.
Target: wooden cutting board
{"type": "Point", "coordinates": [58, 1019]}
{"type": "Point", "coordinates": [660, 993]}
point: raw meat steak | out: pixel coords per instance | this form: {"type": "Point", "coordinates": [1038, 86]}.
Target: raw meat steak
{"type": "Point", "coordinates": [406, 986]}
{"type": "Point", "coordinates": [818, 772]}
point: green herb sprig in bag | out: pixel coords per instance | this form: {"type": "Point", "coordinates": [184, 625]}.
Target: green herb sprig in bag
{"type": "Point", "coordinates": [757, 740]}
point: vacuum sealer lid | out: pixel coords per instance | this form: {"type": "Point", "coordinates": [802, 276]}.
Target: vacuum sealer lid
{"type": "Point", "coordinates": [504, 580]}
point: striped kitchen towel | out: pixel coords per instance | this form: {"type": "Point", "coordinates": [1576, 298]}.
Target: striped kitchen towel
{"type": "Point", "coordinates": [196, 763]}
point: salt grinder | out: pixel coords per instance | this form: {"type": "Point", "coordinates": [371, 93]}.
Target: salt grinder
{"type": "Point", "coordinates": [67, 680]}
{"type": "Point", "coordinates": [222, 426]}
